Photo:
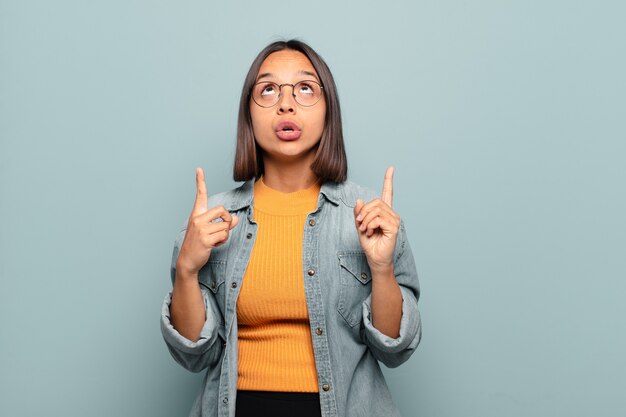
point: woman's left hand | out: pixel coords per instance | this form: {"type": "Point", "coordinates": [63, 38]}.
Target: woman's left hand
{"type": "Point", "coordinates": [377, 226]}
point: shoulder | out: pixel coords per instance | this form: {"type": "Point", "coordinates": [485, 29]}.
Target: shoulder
{"type": "Point", "coordinates": [349, 192]}
{"type": "Point", "coordinates": [234, 199]}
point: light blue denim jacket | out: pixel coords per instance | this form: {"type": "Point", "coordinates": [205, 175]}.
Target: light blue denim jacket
{"type": "Point", "coordinates": [337, 282]}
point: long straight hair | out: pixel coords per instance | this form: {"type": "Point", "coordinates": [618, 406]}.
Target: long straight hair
{"type": "Point", "coordinates": [330, 163]}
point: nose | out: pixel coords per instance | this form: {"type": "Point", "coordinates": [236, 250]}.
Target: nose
{"type": "Point", "coordinates": [286, 101]}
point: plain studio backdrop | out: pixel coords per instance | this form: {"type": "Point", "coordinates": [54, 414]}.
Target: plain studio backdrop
{"type": "Point", "coordinates": [504, 120]}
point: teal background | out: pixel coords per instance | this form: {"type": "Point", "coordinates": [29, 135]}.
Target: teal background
{"type": "Point", "coordinates": [504, 120]}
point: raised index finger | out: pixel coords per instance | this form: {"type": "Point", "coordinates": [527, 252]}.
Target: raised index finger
{"type": "Point", "coordinates": [200, 205]}
{"type": "Point", "coordinates": [387, 196]}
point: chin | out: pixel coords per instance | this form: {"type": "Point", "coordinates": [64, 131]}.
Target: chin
{"type": "Point", "coordinates": [294, 156]}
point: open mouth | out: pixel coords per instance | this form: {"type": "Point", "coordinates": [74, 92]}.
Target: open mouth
{"type": "Point", "coordinates": [288, 130]}
{"type": "Point", "coordinates": [287, 126]}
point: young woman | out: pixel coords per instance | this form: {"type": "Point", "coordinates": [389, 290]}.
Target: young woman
{"type": "Point", "coordinates": [290, 289]}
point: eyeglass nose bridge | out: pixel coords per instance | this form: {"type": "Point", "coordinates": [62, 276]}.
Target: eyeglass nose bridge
{"type": "Point", "coordinates": [280, 92]}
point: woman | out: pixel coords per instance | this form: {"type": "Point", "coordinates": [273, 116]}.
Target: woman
{"type": "Point", "coordinates": [291, 288]}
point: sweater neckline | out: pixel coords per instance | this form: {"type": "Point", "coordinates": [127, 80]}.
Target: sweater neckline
{"type": "Point", "coordinates": [272, 201]}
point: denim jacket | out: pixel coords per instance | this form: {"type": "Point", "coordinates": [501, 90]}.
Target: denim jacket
{"type": "Point", "coordinates": [337, 281]}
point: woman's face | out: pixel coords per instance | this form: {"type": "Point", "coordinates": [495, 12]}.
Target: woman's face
{"type": "Point", "coordinates": [287, 131]}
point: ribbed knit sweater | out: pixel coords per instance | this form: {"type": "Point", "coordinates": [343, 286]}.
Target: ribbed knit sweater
{"type": "Point", "coordinates": [275, 347]}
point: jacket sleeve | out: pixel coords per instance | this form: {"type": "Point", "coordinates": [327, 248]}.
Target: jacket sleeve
{"type": "Point", "coordinates": [207, 350]}
{"type": "Point", "coordinates": [393, 352]}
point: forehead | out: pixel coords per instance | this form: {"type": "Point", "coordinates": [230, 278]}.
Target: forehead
{"type": "Point", "coordinates": [286, 64]}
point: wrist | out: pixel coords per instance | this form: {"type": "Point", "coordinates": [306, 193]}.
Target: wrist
{"type": "Point", "coordinates": [184, 273]}
{"type": "Point", "coordinates": [383, 271]}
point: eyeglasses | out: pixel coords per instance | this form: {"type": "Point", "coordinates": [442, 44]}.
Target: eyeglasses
{"type": "Point", "coordinates": [306, 93]}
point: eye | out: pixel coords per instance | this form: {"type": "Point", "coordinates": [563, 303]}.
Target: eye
{"type": "Point", "coordinates": [268, 90]}
{"type": "Point", "coordinates": [305, 88]}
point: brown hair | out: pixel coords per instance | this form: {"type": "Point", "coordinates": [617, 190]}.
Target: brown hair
{"type": "Point", "coordinates": [330, 162]}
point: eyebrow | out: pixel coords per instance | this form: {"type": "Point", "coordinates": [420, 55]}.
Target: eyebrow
{"type": "Point", "coordinates": [301, 72]}
{"type": "Point", "coordinates": [312, 74]}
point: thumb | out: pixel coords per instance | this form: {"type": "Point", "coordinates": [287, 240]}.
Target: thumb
{"type": "Point", "coordinates": [234, 222]}
{"type": "Point", "coordinates": [358, 206]}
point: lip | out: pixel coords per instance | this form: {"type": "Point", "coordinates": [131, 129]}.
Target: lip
{"type": "Point", "coordinates": [288, 130]}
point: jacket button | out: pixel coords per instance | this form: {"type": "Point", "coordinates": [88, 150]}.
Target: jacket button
{"type": "Point", "coordinates": [249, 235]}
{"type": "Point", "coordinates": [363, 276]}
{"type": "Point", "coordinates": [311, 272]}
{"type": "Point", "coordinates": [213, 284]}
{"type": "Point", "coordinates": [325, 387]}
{"type": "Point", "coordinates": [311, 222]}
{"type": "Point", "coordinates": [225, 400]}
{"type": "Point", "coordinates": [318, 331]}
{"type": "Point", "coordinates": [234, 285]}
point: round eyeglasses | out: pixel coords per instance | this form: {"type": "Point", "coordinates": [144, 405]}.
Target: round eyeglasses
{"type": "Point", "coordinates": [306, 93]}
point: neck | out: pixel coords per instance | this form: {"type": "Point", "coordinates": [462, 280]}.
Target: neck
{"type": "Point", "coordinates": [288, 177]}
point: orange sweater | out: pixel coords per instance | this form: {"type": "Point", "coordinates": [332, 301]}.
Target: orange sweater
{"type": "Point", "coordinates": [275, 347]}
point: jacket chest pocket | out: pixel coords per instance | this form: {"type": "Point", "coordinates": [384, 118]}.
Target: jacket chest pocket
{"type": "Point", "coordinates": [212, 277]}
{"type": "Point", "coordinates": [355, 285]}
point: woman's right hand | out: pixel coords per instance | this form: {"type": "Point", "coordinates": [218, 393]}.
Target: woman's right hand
{"type": "Point", "coordinates": [203, 234]}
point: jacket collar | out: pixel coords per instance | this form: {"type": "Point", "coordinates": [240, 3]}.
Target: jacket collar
{"type": "Point", "coordinates": [245, 192]}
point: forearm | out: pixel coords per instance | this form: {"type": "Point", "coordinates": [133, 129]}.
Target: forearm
{"type": "Point", "coordinates": [386, 303]}
{"type": "Point", "coordinates": [187, 308]}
